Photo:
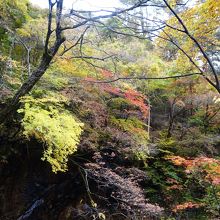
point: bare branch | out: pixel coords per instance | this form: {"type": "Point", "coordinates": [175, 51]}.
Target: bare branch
{"type": "Point", "coordinates": [145, 78]}
{"type": "Point", "coordinates": [217, 85]}
{"type": "Point", "coordinates": [95, 18]}
{"type": "Point", "coordinates": [91, 57]}
{"type": "Point", "coordinates": [49, 31]}
{"type": "Point", "coordinates": [77, 42]}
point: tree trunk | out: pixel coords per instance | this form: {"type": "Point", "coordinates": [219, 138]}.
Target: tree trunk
{"type": "Point", "coordinates": [171, 119]}
{"type": "Point", "coordinates": [148, 122]}
{"type": "Point", "coordinates": [47, 56]}
{"type": "Point", "coordinates": [28, 61]}
{"type": "Point", "coordinates": [26, 87]}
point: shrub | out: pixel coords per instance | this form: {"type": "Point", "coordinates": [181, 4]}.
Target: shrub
{"type": "Point", "coordinates": [58, 129]}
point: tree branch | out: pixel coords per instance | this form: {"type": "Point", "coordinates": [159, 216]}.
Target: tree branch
{"type": "Point", "coordinates": [144, 78]}
{"type": "Point", "coordinates": [217, 85]}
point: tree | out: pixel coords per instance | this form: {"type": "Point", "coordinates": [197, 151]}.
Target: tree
{"type": "Point", "coordinates": [197, 46]}
{"type": "Point", "coordinates": [52, 46]}
{"type": "Point", "coordinates": [84, 20]}
{"type": "Point", "coordinates": [176, 32]}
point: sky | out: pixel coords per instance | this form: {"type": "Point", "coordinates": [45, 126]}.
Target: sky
{"type": "Point", "coordinates": [82, 4]}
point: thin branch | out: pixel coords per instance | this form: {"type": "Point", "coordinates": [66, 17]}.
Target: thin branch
{"type": "Point", "coordinates": [145, 78]}
{"type": "Point", "coordinates": [91, 57]}
{"type": "Point", "coordinates": [217, 85]}
{"type": "Point", "coordinates": [77, 42]}
{"type": "Point", "coordinates": [202, 73]}
{"type": "Point", "coordinates": [95, 18]}
{"type": "Point", "coordinates": [26, 47]}
{"type": "Point", "coordinates": [49, 31]}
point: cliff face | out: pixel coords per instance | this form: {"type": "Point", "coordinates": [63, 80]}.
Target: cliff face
{"type": "Point", "coordinates": [29, 190]}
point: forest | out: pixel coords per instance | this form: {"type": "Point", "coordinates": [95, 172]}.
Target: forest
{"type": "Point", "coordinates": [110, 113]}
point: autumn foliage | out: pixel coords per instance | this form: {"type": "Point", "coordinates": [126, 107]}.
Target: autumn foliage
{"type": "Point", "coordinates": [209, 167]}
{"type": "Point", "coordinates": [187, 205]}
